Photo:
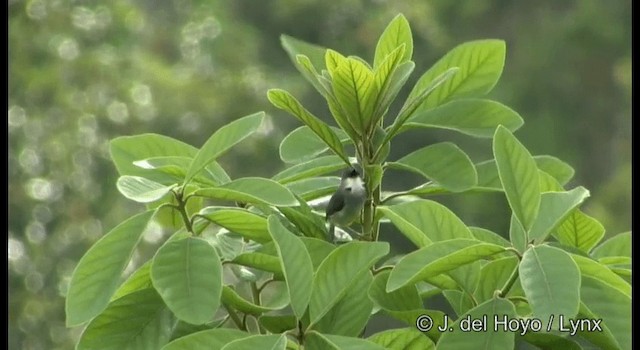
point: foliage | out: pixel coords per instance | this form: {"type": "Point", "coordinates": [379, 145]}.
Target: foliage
{"type": "Point", "coordinates": [258, 266]}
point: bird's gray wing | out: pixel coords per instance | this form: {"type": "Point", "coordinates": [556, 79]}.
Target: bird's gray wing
{"type": "Point", "coordinates": [336, 203]}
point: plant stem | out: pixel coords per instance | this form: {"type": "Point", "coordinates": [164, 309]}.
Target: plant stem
{"type": "Point", "coordinates": [235, 318]}
{"type": "Point", "coordinates": [255, 293]}
{"type": "Point", "coordinates": [512, 279]}
{"type": "Point", "coordinates": [181, 207]}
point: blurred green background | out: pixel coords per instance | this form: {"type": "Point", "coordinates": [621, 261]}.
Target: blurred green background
{"type": "Point", "coordinates": [83, 72]}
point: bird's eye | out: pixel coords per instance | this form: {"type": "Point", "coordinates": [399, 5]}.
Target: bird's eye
{"type": "Point", "coordinates": [348, 189]}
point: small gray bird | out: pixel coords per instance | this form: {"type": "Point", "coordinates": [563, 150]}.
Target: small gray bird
{"type": "Point", "coordinates": [346, 203]}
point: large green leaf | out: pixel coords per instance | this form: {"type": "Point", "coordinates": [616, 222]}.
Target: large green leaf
{"type": "Point", "coordinates": [474, 117]}
{"type": "Point", "coordinates": [285, 101]}
{"type": "Point", "coordinates": [99, 271]}
{"type": "Point", "coordinates": [314, 187]}
{"type": "Point", "coordinates": [425, 221]}
{"type": "Point", "coordinates": [263, 342]}
{"type": "Point", "coordinates": [618, 245]}
{"type": "Point", "coordinates": [176, 166]}
{"type": "Point", "coordinates": [188, 275]}
{"type": "Point", "coordinates": [417, 97]}
{"type": "Point", "coordinates": [302, 144]}
{"type": "Point", "coordinates": [402, 339]}
{"type": "Point", "coordinates": [488, 236]}
{"type": "Point", "coordinates": [356, 91]}
{"type": "Point", "coordinates": [443, 163]}
{"type": "Point", "coordinates": [251, 190]}
{"type": "Point", "coordinates": [402, 299]}
{"type": "Point", "coordinates": [222, 140]}
{"type": "Point", "coordinates": [396, 34]}
{"type": "Point", "coordinates": [387, 81]}
{"type": "Point", "coordinates": [259, 261]}
{"type": "Point", "coordinates": [314, 167]}
{"type": "Point", "coordinates": [140, 189]}
{"type": "Point", "coordinates": [488, 172]}
{"type": "Point", "coordinates": [519, 176]}
{"type": "Point", "coordinates": [438, 258]}
{"type": "Point", "coordinates": [580, 230]}
{"type": "Point", "coordinates": [318, 250]}
{"type": "Point", "coordinates": [351, 313]}
{"type": "Point", "coordinates": [490, 336]}
{"type": "Point", "coordinates": [295, 47]}
{"type": "Point", "coordinates": [603, 302]}
{"type": "Point", "coordinates": [594, 269]}
{"type": "Point", "coordinates": [206, 340]}
{"type": "Point", "coordinates": [295, 263]}
{"type": "Point", "coordinates": [338, 272]}
{"type": "Point", "coordinates": [339, 342]}
{"type": "Point", "coordinates": [139, 320]}
{"type": "Point", "coordinates": [493, 276]}
{"type": "Point", "coordinates": [241, 221]}
{"type": "Point", "coordinates": [231, 297]}
{"type": "Point", "coordinates": [138, 280]}
{"type": "Point", "coordinates": [125, 150]}
{"type": "Point", "coordinates": [554, 208]}
{"type": "Point", "coordinates": [551, 282]}
{"type": "Point", "coordinates": [480, 63]}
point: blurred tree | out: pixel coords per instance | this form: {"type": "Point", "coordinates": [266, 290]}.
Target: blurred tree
{"type": "Point", "coordinates": [83, 72]}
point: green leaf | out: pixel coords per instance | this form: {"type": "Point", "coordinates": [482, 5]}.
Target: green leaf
{"type": "Point", "coordinates": [551, 282]}
{"type": "Point", "coordinates": [188, 275]}
{"type": "Point", "coordinates": [139, 320]}
{"type": "Point", "coordinates": [485, 235]}
{"type": "Point", "coordinates": [98, 272]}
{"type": "Point", "coordinates": [443, 163]}
{"type": "Point", "coordinates": [241, 221]}
{"type": "Point", "coordinates": [259, 261]}
{"type": "Point", "coordinates": [140, 189]}
{"type": "Point", "coordinates": [402, 339]}
{"type": "Point", "coordinates": [548, 183]}
{"type": "Point", "coordinates": [213, 175]}
{"type": "Point", "coordinates": [518, 175]}
{"type": "Point", "coordinates": [265, 342]}
{"type": "Point", "coordinates": [601, 301]}
{"type": "Point", "coordinates": [396, 34]}
{"type": "Point", "coordinates": [125, 150]}
{"type": "Point", "coordinates": [594, 269]}
{"type": "Point", "coordinates": [425, 221]}
{"type": "Point", "coordinates": [491, 337]}
{"type": "Point", "coordinates": [278, 323]}
{"type": "Point", "coordinates": [318, 250]}
{"type": "Point", "coordinates": [231, 297]}
{"type": "Point", "coordinates": [554, 208]}
{"type": "Point", "coordinates": [302, 144]}
{"type": "Point", "coordinates": [315, 167]}
{"type": "Point", "coordinates": [295, 47]}
{"type": "Point", "coordinates": [314, 187]}
{"type": "Point", "coordinates": [338, 271]}
{"type": "Point", "coordinates": [417, 96]}
{"type": "Point", "coordinates": [206, 340]}
{"type": "Point", "coordinates": [438, 258]}
{"type": "Point", "coordinates": [474, 117]}
{"type": "Point", "coordinates": [351, 313]}
{"type": "Point", "coordinates": [402, 299]}
{"type": "Point", "coordinates": [305, 220]}
{"type": "Point", "coordinates": [550, 341]}
{"type": "Point", "coordinates": [251, 190]}
{"type": "Point", "coordinates": [285, 101]}
{"type": "Point", "coordinates": [459, 301]}
{"type": "Point", "coordinates": [553, 166]}
{"type": "Point", "coordinates": [342, 342]}
{"type": "Point", "coordinates": [333, 59]}
{"type": "Point", "coordinates": [222, 140]}
{"type": "Point", "coordinates": [480, 63]}
{"type": "Point", "coordinates": [517, 235]}
{"type": "Point", "coordinates": [140, 279]}
{"type": "Point", "coordinates": [414, 317]}
{"type": "Point", "coordinates": [493, 276]}
{"type": "Point", "coordinates": [295, 263]}
{"type": "Point", "coordinates": [580, 230]}
{"type": "Point", "coordinates": [356, 91]}
{"type": "Point", "coordinates": [618, 245]}
{"type": "Point", "coordinates": [386, 81]}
